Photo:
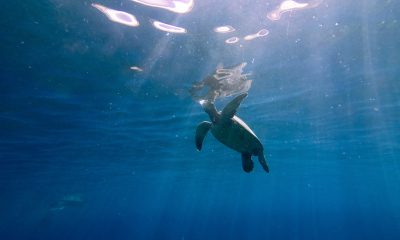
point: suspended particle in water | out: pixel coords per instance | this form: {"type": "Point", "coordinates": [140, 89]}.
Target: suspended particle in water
{"type": "Point", "coordinates": [117, 16]}
{"type": "Point", "coordinates": [285, 6]}
{"type": "Point", "coordinates": [168, 28]}
{"type": "Point", "coordinates": [177, 6]}
{"type": "Point", "coordinates": [136, 68]}
{"type": "Point", "coordinates": [232, 40]}
{"type": "Point", "coordinates": [224, 29]}
{"type": "Point", "coordinates": [261, 33]}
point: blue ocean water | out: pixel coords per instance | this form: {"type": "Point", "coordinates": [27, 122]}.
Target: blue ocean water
{"type": "Point", "coordinates": [90, 149]}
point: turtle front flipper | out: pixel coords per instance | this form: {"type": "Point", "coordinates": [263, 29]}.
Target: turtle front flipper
{"type": "Point", "coordinates": [262, 161]}
{"type": "Point", "coordinates": [247, 163]}
{"type": "Point", "coordinates": [201, 133]}
{"type": "Point", "coordinates": [230, 109]}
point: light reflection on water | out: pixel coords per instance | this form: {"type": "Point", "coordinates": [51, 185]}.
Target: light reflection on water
{"type": "Point", "coordinates": [177, 6]}
{"type": "Point", "coordinates": [185, 6]}
{"type": "Point", "coordinates": [167, 27]}
{"type": "Point", "coordinates": [287, 6]}
{"type": "Point", "coordinates": [232, 40]}
{"type": "Point", "coordinates": [117, 16]}
{"type": "Point", "coordinates": [261, 33]}
{"type": "Point", "coordinates": [224, 29]}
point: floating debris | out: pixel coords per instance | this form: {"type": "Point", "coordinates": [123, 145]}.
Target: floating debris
{"type": "Point", "coordinates": [168, 28]}
{"type": "Point", "coordinates": [117, 16]}
{"type": "Point", "coordinates": [232, 40]}
{"type": "Point", "coordinates": [261, 33]}
{"type": "Point", "coordinates": [177, 6]}
{"type": "Point", "coordinates": [224, 29]}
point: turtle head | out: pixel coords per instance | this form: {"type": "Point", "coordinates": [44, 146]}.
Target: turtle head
{"type": "Point", "coordinates": [209, 108]}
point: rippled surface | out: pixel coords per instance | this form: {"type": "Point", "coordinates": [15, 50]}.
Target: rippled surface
{"type": "Point", "coordinates": [90, 149]}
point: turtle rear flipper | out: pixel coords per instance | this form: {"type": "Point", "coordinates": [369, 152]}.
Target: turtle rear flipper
{"type": "Point", "coordinates": [247, 163]}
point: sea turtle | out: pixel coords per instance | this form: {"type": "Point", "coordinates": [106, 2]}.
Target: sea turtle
{"type": "Point", "coordinates": [232, 132]}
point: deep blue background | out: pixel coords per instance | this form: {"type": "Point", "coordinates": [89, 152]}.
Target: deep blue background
{"type": "Point", "coordinates": [75, 120]}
